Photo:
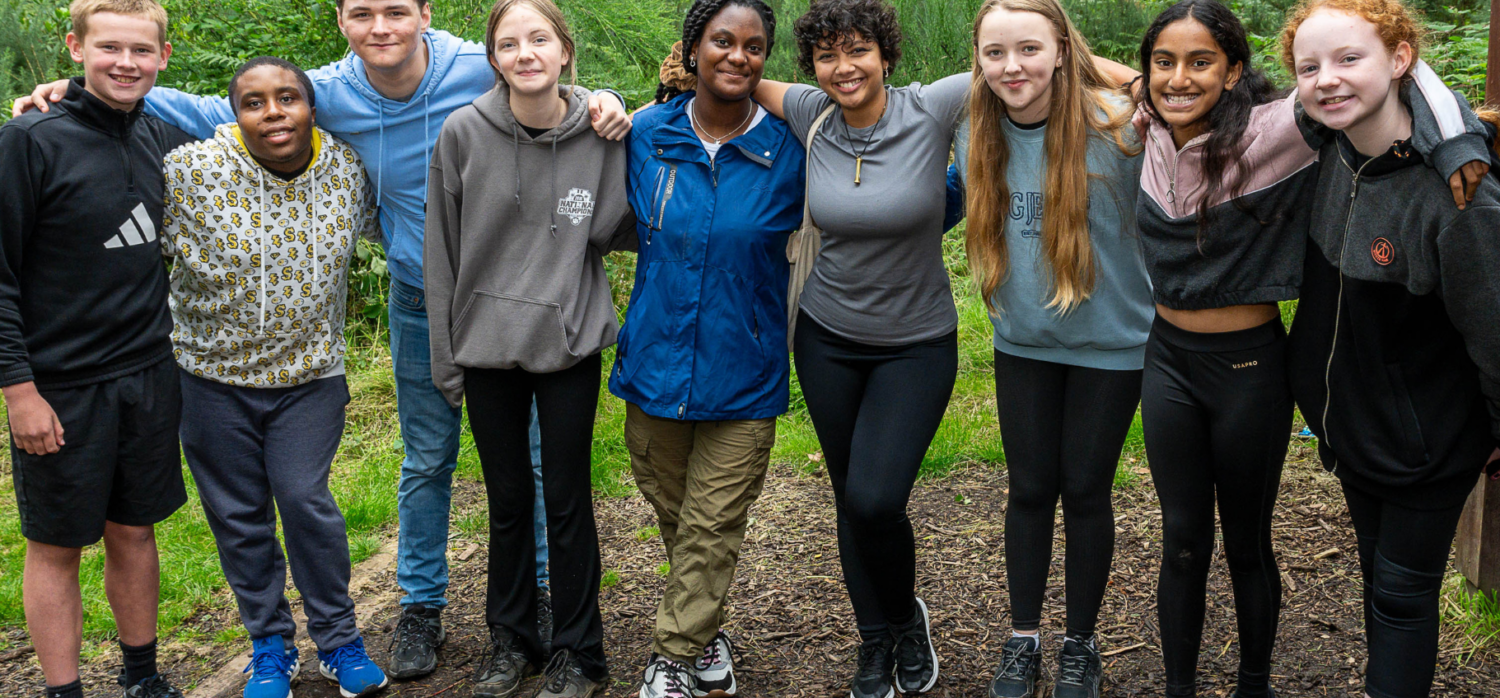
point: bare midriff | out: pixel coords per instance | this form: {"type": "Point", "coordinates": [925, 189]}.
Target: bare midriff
{"type": "Point", "coordinates": [1228, 319]}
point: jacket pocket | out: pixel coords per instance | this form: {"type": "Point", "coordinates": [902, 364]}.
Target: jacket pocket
{"type": "Point", "coordinates": [1413, 445]}
{"type": "Point", "coordinates": [498, 330]}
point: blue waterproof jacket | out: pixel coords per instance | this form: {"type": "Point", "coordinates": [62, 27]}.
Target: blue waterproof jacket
{"type": "Point", "coordinates": [705, 334]}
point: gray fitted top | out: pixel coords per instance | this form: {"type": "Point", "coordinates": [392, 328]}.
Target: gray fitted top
{"type": "Point", "coordinates": [880, 277]}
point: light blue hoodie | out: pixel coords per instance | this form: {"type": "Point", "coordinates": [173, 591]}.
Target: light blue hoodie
{"type": "Point", "coordinates": [389, 135]}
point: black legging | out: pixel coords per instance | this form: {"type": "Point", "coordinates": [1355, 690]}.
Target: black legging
{"type": "Point", "coordinates": [1403, 554]}
{"type": "Point", "coordinates": [1062, 427]}
{"type": "Point", "coordinates": [1217, 414]}
{"type": "Point", "coordinates": [876, 410]}
{"type": "Point", "coordinates": [500, 414]}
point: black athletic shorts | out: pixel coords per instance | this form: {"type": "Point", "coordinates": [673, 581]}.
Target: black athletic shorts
{"type": "Point", "coordinates": [120, 460]}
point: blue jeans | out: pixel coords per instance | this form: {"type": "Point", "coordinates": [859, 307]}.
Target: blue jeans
{"type": "Point", "coordinates": [429, 433]}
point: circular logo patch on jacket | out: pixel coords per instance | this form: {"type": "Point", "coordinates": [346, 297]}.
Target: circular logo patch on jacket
{"type": "Point", "coordinates": [1382, 251]}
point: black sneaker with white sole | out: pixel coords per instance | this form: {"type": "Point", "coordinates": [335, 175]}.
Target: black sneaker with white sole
{"type": "Point", "coordinates": [715, 669]}
{"type": "Point", "coordinates": [916, 658]}
{"type": "Point", "coordinates": [414, 645]}
{"type": "Point", "coordinates": [1020, 663]}
{"type": "Point", "coordinates": [1079, 670]}
{"type": "Point", "coordinates": [873, 678]}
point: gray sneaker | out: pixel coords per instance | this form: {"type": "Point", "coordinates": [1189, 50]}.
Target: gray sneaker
{"type": "Point", "coordinates": [565, 679]}
{"type": "Point", "coordinates": [503, 668]}
{"type": "Point", "coordinates": [544, 618]}
{"type": "Point", "coordinates": [414, 645]}
{"type": "Point", "coordinates": [715, 669]}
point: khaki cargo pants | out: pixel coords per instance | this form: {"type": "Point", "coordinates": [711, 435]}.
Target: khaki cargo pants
{"type": "Point", "coordinates": [701, 478]}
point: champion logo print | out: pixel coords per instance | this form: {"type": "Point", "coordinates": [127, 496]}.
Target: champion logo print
{"type": "Point", "coordinates": [577, 205]}
{"type": "Point", "coordinates": [136, 230]}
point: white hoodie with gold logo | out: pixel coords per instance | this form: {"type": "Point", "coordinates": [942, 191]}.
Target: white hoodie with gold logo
{"type": "Point", "coordinates": [262, 264]}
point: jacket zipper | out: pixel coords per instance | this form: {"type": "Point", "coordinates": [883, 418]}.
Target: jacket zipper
{"type": "Point", "coordinates": [1338, 307]}
{"type": "Point", "coordinates": [125, 161]}
{"type": "Point", "coordinates": [755, 325]}
{"type": "Point", "coordinates": [1171, 173]}
{"type": "Point", "coordinates": [656, 195]}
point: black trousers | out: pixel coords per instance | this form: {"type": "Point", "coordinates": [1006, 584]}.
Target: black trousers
{"type": "Point", "coordinates": [875, 409]}
{"type": "Point", "coordinates": [499, 403]}
{"type": "Point", "coordinates": [1062, 427]}
{"type": "Point", "coordinates": [1403, 554]}
{"type": "Point", "coordinates": [1217, 414]}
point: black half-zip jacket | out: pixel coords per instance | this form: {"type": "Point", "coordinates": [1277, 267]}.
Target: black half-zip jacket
{"type": "Point", "coordinates": [1399, 322]}
{"type": "Point", "coordinates": [83, 289]}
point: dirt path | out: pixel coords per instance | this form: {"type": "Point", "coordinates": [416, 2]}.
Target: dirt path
{"type": "Point", "coordinates": [794, 626]}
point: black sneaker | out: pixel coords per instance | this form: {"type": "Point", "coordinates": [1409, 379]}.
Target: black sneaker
{"type": "Point", "coordinates": [414, 646]}
{"type": "Point", "coordinates": [1020, 662]}
{"type": "Point", "coordinates": [544, 618]}
{"type": "Point", "coordinates": [916, 658]}
{"type": "Point", "coordinates": [1078, 670]}
{"type": "Point", "coordinates": [873, 677]}
{"type": "Point", "coordinates": [153, 687]}
{"type": "Point", "coordinates": [503, 668]}
{"type": "Point", "coordinates": [565, 679]}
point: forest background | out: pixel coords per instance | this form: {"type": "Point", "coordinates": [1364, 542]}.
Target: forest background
{"type": "Point", "coordinates": [621, 43]}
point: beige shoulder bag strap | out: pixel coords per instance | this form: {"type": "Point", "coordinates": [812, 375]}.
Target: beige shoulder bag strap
{"type": "Point", "coordinates": [803, 246]}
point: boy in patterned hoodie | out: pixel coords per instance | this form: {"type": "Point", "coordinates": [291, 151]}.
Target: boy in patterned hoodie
{"type": "Point", "coordinates": [262, 220]}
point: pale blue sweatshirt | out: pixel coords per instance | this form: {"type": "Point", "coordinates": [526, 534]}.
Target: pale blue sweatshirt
{"type": "Point", "coordinates": [1108, 331]}
{"type": "Point", "coordinates": [394, 138]}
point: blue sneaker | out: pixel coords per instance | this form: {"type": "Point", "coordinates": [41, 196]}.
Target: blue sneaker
{"type": "Point", "coordinates": [351, 667]}
{"type": "Point", "coordinates": [272, 668]}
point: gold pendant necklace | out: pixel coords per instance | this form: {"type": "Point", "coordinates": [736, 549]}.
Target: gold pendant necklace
{"type": "Point", "coordinates": [859, 157]}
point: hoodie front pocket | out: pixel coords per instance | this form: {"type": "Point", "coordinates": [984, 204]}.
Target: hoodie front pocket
{"type": "Point", "coordinates": [498, 330]}
{"type": "Point", "coordinates": [1412, 445]}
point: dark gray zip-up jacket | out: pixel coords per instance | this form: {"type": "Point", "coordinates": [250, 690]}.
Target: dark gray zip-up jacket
{"type": "Point", "coordinates": [517, 229]}
{"type": "Point", "coordinates": [1394, 356]}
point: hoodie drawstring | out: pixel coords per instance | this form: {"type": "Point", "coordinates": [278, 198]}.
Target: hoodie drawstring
{"type": "Point", "coordinates": [554, 187]}
{"type": "Point", "coordinates": [427, 140]}
{"type": "Point", "coordinates": [515, 152]}
{"type": "Point", "coordinates": [380, 178]}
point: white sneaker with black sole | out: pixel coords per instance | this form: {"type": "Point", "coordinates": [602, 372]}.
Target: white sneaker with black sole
{"type": "Point", "coordinates": [666, 678]}
{"type": "Point", "coordinates": [715, 669]}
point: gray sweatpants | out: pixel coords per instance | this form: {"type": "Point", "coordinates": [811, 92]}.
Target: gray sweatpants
{"type": "Point", "coordinates": [252, 452]}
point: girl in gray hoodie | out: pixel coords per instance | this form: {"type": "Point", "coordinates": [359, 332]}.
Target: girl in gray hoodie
{"type": "Point", "coordinates": [524, 200]}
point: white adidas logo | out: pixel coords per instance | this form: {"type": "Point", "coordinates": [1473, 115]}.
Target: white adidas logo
{"type": "Point", "coordinates": [136, 230]}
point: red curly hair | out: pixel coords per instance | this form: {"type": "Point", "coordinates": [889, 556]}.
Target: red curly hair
{"type": "Point", "coordinates": [1393, 20]}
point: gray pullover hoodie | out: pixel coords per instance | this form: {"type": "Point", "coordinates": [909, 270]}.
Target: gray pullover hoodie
{"type": "Point", "coordinates": [517, 229]}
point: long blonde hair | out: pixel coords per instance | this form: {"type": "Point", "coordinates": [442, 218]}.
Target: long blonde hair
{"type": "Point", "coordinates": [1079, 109]}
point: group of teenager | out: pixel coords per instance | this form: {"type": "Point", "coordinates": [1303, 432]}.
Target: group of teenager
{"type": "Point", "coordinates": [1182, 202]}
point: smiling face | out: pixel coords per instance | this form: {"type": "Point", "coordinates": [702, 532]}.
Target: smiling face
{"type": "Point", "coordinates": [731, 55]}
{"type": "Point", "coordinates": [1018, 53]}
{"type": "Point", "coordinates": [528, 52]}
{"type": "Point", "coordinates": [1346, 79]}
{"type": "Point", "coordinates": [275, 119]}
{"type": "Point", "coordinates": [385, 34]}
{"type": "Point", "coordinates": [1189, 72]}
{"type": "Point", "coordinates": [121, 55]}
{"type": "Point", "coordinates": [850, 70]}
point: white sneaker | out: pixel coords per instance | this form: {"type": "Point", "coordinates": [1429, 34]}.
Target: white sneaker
{"type": "Point", "coordinates": [715, 669]}
{"type": "Point", "coordinates": [666, 678]}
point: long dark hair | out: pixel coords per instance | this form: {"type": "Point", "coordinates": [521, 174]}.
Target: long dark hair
{"type": "Point", "coordinates": [694, 24]}
{"type": "Point", "coordinates": [1228, 118]}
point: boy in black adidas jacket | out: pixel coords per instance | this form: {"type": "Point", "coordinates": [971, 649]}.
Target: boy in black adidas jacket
{"type": "Point", "coordinates": [86, 364]}
{"type": "Point", "coordinates": [1394, 356]}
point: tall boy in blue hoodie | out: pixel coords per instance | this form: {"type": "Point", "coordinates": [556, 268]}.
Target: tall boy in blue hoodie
{"type": "Point", "coordinates": [389, 99]}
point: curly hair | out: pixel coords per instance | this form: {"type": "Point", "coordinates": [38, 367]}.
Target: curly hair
{"type": "Point", "coordinates": [695, 23]}
{"type": "Point", "coordinates": [841, 22]}
{"type": "Point", "coordinates": [1393, 20]}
